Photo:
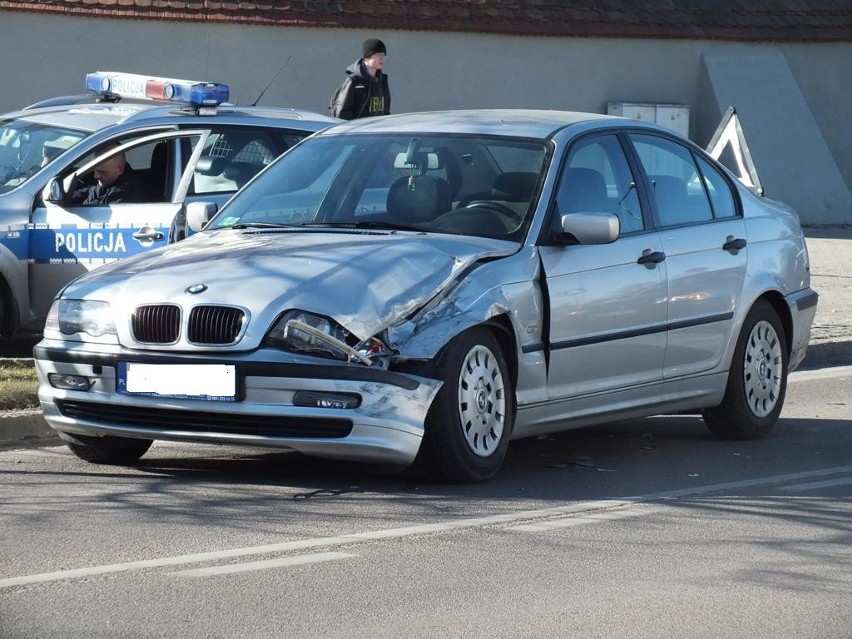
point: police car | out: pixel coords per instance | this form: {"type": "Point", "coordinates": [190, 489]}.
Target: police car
{"type": "Point", "coordinates": [184, 142]}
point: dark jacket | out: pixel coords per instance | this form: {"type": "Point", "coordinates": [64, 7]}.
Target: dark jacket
{"type": "Point", "coordinates": [361, 95]}
{"type": "Point", "coordinates": [125, 189]}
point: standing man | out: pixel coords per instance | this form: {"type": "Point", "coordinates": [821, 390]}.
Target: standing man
{"type": "Point", "coordinates": [364, 93]}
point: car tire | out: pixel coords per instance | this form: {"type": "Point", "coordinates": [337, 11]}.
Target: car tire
{"type": "Point", "coordinates": [757, 380]}
{"type": "Point", "coordinates": [109, 450]}
{"type": "Point", "coordinates": [470, 421]}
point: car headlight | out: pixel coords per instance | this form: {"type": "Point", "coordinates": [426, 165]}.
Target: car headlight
{"type": "Point", "coordinates": [70, 317]}
{"type": "Point", "coordinates": [285, 334]}
{"type": "Point", "coordinates": [304, 332]}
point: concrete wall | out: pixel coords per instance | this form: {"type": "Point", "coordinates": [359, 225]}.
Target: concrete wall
{"type": "Point", "coordinates": [46, 56]}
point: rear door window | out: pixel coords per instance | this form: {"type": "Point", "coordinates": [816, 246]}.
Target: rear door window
{"type": "Point", "coordinates": [233, 155]}
{"type": "Point", "coordinates": [676, 185]}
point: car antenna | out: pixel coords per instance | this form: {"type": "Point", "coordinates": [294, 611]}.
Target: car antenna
{"type": "Point", "coordinates": [273, 80]}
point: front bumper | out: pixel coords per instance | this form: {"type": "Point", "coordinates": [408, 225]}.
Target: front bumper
{"type": "Point", "coordinates": [386, 426]}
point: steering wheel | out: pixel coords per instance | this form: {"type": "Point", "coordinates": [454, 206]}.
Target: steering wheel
{"type": "Point", "coordinates": [478, 218]}
{"type": "Point", "coordinates": [514, 218]}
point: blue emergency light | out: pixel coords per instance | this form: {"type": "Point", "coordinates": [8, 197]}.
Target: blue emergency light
{"type": "Point", "coordinates": [110, 84]}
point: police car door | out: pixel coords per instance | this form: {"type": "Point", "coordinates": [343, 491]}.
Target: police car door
{"type": "Point", "coordinates": [69, 238]}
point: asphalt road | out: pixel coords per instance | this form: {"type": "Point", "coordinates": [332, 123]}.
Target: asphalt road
{"type": "Point", "coordinates": [647, 528]}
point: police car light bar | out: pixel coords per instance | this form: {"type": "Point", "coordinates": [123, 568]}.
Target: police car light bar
{"type": "Point", "coordinates": [131, 85]}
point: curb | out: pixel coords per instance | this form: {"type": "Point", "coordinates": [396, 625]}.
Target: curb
{"type": "Point", "coordinates": [26, 427]}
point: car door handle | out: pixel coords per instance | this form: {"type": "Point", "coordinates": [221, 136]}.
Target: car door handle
{"type": "Point", "coordinates": [148, 234]}
{"type": "Point", "coordinates": [651, 257]}
{"type": "Point", "coordinates": [734, 243]}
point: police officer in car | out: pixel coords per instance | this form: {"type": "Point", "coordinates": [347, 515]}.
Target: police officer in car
{"type": "Point", "coordinates": [115, 182]}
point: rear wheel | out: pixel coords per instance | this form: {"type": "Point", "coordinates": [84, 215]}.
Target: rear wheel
{"type": "Point", "coordinates": [757, 381]}
{"type": "Point", "coordinates": [470, 421]}
{"type": "Point", "coordinates": [109, 450]}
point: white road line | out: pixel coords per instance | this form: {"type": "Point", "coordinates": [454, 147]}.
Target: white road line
{"type": "Point", "coordinates": [840, 481]}
{"type": "Point", "coordinates": [570, 522]}
{"type": "Point", "coordinates": [264, 565]}
{"type": "Point", "coordinates": [410, 531]}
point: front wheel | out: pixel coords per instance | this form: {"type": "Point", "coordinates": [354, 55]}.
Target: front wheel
{"type": "Point", "coordinates": [757, 381]}
{"type": "Point", "coordinates": [470, 421]}
{"type": "Point", "coordinates": [109, 450]}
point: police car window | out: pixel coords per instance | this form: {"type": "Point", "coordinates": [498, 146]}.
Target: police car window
{"type": "Point", "coordinates": [143, 177]}
{"type": "Point", "coordinates": [25, 147]}
{"type": "Point", "coordinates": [231, 157]}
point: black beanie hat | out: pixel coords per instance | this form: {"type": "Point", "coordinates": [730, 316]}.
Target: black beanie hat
{"type": "Point", "coordinates": [372, 47]}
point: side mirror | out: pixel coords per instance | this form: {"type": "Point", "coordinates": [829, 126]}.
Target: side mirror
{"type": "Point", "coordinates": [198, 214]}
{"type": "Point", "coordinates": [591, 228]}
{"type": "Point", "coordinates": [53, 192]}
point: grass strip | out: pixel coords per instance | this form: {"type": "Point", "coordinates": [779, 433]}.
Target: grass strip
{"type": "Point", "coordinates": [18, 385]}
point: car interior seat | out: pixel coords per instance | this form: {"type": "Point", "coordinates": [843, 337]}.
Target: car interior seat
{"type": "Point", "coordinates": [672, 198]}
{"type": "Point", "coordinates": [582, 190]}
{"type": "Point", "coordinates": [158, 173]}
{"type": "Point", "coordinates": [210, 165]}
{"type": "Point", "coordinates": [514, 186]}
{"type": "Point", "coordinates": [418, 199]}
{"type": "Point", "coordinates": [241, 172]}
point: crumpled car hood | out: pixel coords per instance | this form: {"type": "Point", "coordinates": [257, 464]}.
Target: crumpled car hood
{"type": "Point", "coordinates": [365, 280]}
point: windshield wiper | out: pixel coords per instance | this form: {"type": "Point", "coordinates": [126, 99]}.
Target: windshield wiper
{"type": "Point", "coordinates": [366, 224]}
{"type": "Point", "coordinates": [261, 225]}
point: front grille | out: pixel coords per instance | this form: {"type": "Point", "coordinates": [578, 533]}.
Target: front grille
{"type": "Point", "coordinates": [158, 419]}
{"type": "Point", "coordinates": [156, 324]}
{"type": "Point", "coordinates": [161, 324]}
{"type": "Point", "coordinates": [215, 324]}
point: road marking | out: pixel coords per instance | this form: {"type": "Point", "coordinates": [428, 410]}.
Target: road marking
{"type": "Point", "coordinates": [840, 481]}
{"type": "Point", "coordinates": [570, 522]}
{"type": "Point", "coordinates": [587, 508]}
{"type": "Point", "coordinates": [265, 564]}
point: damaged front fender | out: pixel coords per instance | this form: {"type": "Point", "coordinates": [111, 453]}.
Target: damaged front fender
{"type": "Point", "coordinates": [507, 287]}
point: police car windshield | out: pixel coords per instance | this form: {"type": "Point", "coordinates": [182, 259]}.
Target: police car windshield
{"type": "Point", "coordinates": [26, 146]}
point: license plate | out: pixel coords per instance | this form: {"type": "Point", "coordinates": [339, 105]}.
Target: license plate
{"type": "Point", "coordinates": [214, 382]}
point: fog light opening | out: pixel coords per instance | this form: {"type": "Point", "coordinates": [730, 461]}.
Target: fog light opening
{"type": "Point", "coordinates": [70, 382]}
{"type": "Point", "coordinates": [315, 399]}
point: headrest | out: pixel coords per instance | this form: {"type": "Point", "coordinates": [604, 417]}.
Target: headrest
{"type": "Point", "coordinates": [211, 166]}
{"type": "Point", "coordinates": [515, 186]}
{"type": "Point", "coordinates": [582, 190]}
{"type": "Point", "coordinates": [418, 199]}
{"type": "Point", "coordinates": [241, 170]}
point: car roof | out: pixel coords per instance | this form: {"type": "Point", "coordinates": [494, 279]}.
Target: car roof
{"type": "Point", "coordinates": [516, 122]}
{"type": "Point", "coordinates": [98, 116]}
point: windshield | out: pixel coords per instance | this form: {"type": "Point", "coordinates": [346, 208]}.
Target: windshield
{"type": "Point", "coordinates": [467, 185]}
{"type": "Point", "coordinates": [25, 147]}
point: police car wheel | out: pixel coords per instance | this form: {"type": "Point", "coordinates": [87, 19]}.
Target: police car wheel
{"type": "Point", "coordinates": [109, 450]}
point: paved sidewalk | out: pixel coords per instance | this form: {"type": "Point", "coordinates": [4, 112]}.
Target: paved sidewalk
{"type": "Point", "coordinates": [831, 336]}
{"type": "Point", "coordinates": [830, 251]}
